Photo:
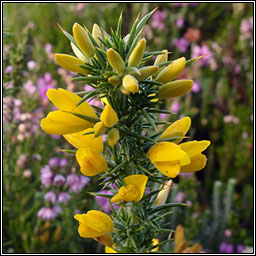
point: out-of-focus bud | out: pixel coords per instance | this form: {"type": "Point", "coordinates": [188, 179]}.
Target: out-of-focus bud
{"type": "Point", "coordinates": [109, 116]}
{"type": "Point", "coordinates": [175, 89]}
{"type": "Point", "coordinates": [171, 71]}
{"type": "Point", "coordinates": [161, 58]}
{"type": "Point", "coordinates": [163, 194]}
{"type": "Point", "coordinates": [137, 53]}
{"type": "Point", "coordinates": [113, 137]}
{"type": "Point", "coordinates": [57, 234]}
{"type": "Point", "coordinates": [146, 72]}
{"type": "Point", "coordinates": [99, 129]}
{"type": "Point", "coordinates": [97, 33]}
{"type": "Point", "coordinates": [77, 52]}
{"type": "Point", "coordinates": [83, 41]}
{"type": "Point", "coordinates": [70, 63]}
{"type": "Point", "coordinates": [130, 83]}
{"type": "Point", "coordinates": [44, 237]}
{"type": "Point", "coordinates": [114, 80]}
{"type": "Point", "coordinates": [115, 60]}
{"type": "Point", "coordinates": [27, 173]}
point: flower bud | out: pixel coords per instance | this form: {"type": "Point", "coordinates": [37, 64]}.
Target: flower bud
{"type": "Point", "coordinates": [113, 137]}
{"type": "Point", "coordinates": [77, 52]}
{"type": "Point", "coordinates": [70, 63]}
{"type": "Point", "coordinates": [146, 72]}
{"type": "Point", "coordinates": [114, 80]}
{"type": "Point", "coordinates": [171, 71]}
{"type": "Point", "coordinates": [99, 129]}
{"type": "Point", "coordinates": [175, 89]}
{"type": "Point", "coordinates": [161, 58]}
{"type": "Point", "coordinates": [115, 60]}
{"type": "Point", "coordinates": [130, 83]}
{"type": "Point", "coordinates": [83, 41]}
{"type": "Point", "coordinates": [137, 54]}
{"type": "Point", "coordinates": [109, 116]}
{"type": "Point", "coordinates": [124, 91]}
{"type": "Point", "coordinates": [97, 33]}
{"type": "Point", "coordinates": [163, 194]}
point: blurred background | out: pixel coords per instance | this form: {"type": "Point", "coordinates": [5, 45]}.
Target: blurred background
{"type": "Point", "coordinates": [42, 186]}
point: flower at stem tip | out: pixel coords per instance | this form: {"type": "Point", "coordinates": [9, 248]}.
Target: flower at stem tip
{"type": "Point", "coordinates": [97, 225]}
{"type": "Point", "coordinates": [133, 190]}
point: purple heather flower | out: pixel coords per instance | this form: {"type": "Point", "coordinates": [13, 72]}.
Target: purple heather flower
{"type": "Point", "coordinates": [158, 19]}
{"type": "Point", "coordinates": [162, 116]}
{"type": "Point", "coordinates": [31, 65]}
{"type": "Point", "coordinates": [45, 83]}
{"type": "Point", "coordinates": [63, 197]}
{"type": "Point", "coordinates": [8, 69]}
{"type": "Point", "coordinates": [239, 248]}
{"type": "Point", "coordinates": [58, 179]}
{"type": "Point", "coordinates": [104, 203]}
{"type": "Point", "coordinates": [179, 23]}
{"type": "Point", "coordinates": [48, 48]}
{"type": "Point", "coordinates": [50, 196]}
{"type": "Point", "coordinates": [46, 213]}
{"type": "Point", "coordinates": [175, 107]}
{"type": "Point", "coordinates": [53, 162]}
{"type": "Point", "coordinates": [182, 44]}
{"type": "Point", "coordinates": [196, 87]}
{"type": "Point", "coordinates": [56, 137]}
{"type": "Point", "coordinates": [63, 162]}
{"type": "Point", "coordinates": [30, 87]}
{"type": "Point", "coordinates": [199, 51]}
{"type": "Point", "coordinates": [226, 247]}
{"type": "Point", "coordinates": [76, 183]}
{"type": "Point", "coordinates": [186, 174]}
{"type": "Point", "coordinates": [46, 176]}
{"type": "Point", "coordinates": [180, 197]}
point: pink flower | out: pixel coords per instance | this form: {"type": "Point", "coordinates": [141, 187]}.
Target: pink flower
{"type": "Point", "coordinates": [196, 87]}
{"type": "Point", "coordinates": [58, 179]}
{"type": "Point", "coordinates": [46, 176]}
{"type": "Point", "coordinates": [50, 197]}
{"type": "Point", "coordinates": [63, 197]}
{"type": "Point", "coordinates": [31, 65]}
{"type": "Point", "coordinates": [8, 69]}
{"type": "Point", "coordinates": [158, 19]}
{"type": "Point", "coordinates": [175, 107]}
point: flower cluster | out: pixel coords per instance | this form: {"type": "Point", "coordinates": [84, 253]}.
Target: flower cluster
{"type": "Point", "coordinates": [134, 158]}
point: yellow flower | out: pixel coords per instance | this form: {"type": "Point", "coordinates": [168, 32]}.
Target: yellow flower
{"type": "Point", "coordinates": [177, 129]}
{"type": "Point", "coordinates": [181, 245]}
{"type": "Point", "coordinates": [78, 140]}
{"type": "Point", "coordinates": [115, 60]}
{"type": "Point", "coordinates": [109, 116]}
{"type": "Point", "coordinates": [83, 40]}
{"type": "Point", "coordinates": [155, 241]}
{"type": "Point", "coordinates": [96, 225]}
{"type": "Point", "coordinates": [90, 161]}
{"type": "Point", "coordinates": [175, 89]}
{"type": "Point", "coordinates": [109, 250]}
{"type": "Point", "coordinates": [194, 149]}
{"type": "Point", "coordinates": [113, 137]}
{"type": "Point", "coordinates": [171, 71]}
{"type": "Point", "coordinates": [133, 190]}
{"type": "Point", "coordinates": [70, 63]}
{"type": "Point", "coordinates": [63, 121]}
{"type": "Point", "coordinates": [137, 53]}
{"type": "Point", "coordinates": [167, 157]}
{"type": "Point", "coordinates": [130, 83]}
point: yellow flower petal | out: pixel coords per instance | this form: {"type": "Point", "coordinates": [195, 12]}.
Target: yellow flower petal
{"type": "Point", "coordinates": [193, 148]}
{"type": "Point", "coordinates": [58, 122]}
{"type": "Point", "coordinates": [130, 83]}
{"type": "Point", "coordinates": [165, 151]}
{"type": "Point", "coordinates": [115, 60]}
{"type": "Point", "coordinates": [171, 71]}
{"type": "Point", "coordinates": [70, 63]}
{"type": "Point", "coordinates": [198, 162]}
{"type": "Point", "coordinates": [137, 53]}
{"type": "Point", "coordinates": [109, 116]}
{"type": "Point", "coordinates": [109, 250]}
{"type": "Point", "coordinates": [178, 128]}
{"type": "Point", "coordinates": [175, 89]}
{"type": "Point", "coordinates": [85, 141]}
{"type": "Point", "coordinates": [169, 169]}
{"type": "Point", "coordinates": [90, 161]}
{"type": "Point", "coordinates": [83, 40]}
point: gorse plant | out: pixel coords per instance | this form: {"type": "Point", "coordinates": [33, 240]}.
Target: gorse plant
{"type": "Point", "coordinates": [138, 159]}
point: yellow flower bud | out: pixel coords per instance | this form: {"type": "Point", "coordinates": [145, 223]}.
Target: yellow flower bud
{"type": "Point", "coordinates": [114, 80]}
{"type": "Point", "coordinates": [99, 129]}
{"type": "Point", "coordinates": [161, 58]}
{"type": "Point", "coordinates": [146, 72]}
{"type": "Point", "coordinates": [96, 225]}
{"type": "Point", "coordinates": [124, 91]}
{"type": "Point", "coordinates": [163, 194]}
{"type": "Point", "coordinates": [83, 40]}
{"type": "Point", "coordinates": [133, 190]}
{"type": "Point", "coordinates": [109, 116]}
{"type": "Point", "coordinates": [171, 71]}
{"type": "Point", "coordinates": [137, 54]}
{"type": "Point", "coordinates": [77, 52]}
{"type": "Point", "coordinates": [175, 89]}
{"type": "Point", "coordinates": [97, 33]}
{"type": "Point", "coordinates": [130, 83]}
{"type": "Point", "coordinates": [115, 60]}
{"type": "Point", "coordinates": [113, 137]}
{"type": "Point", "coordinates": [70, 63]}
{"type": "Point", "coordinates": [90, 161]}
